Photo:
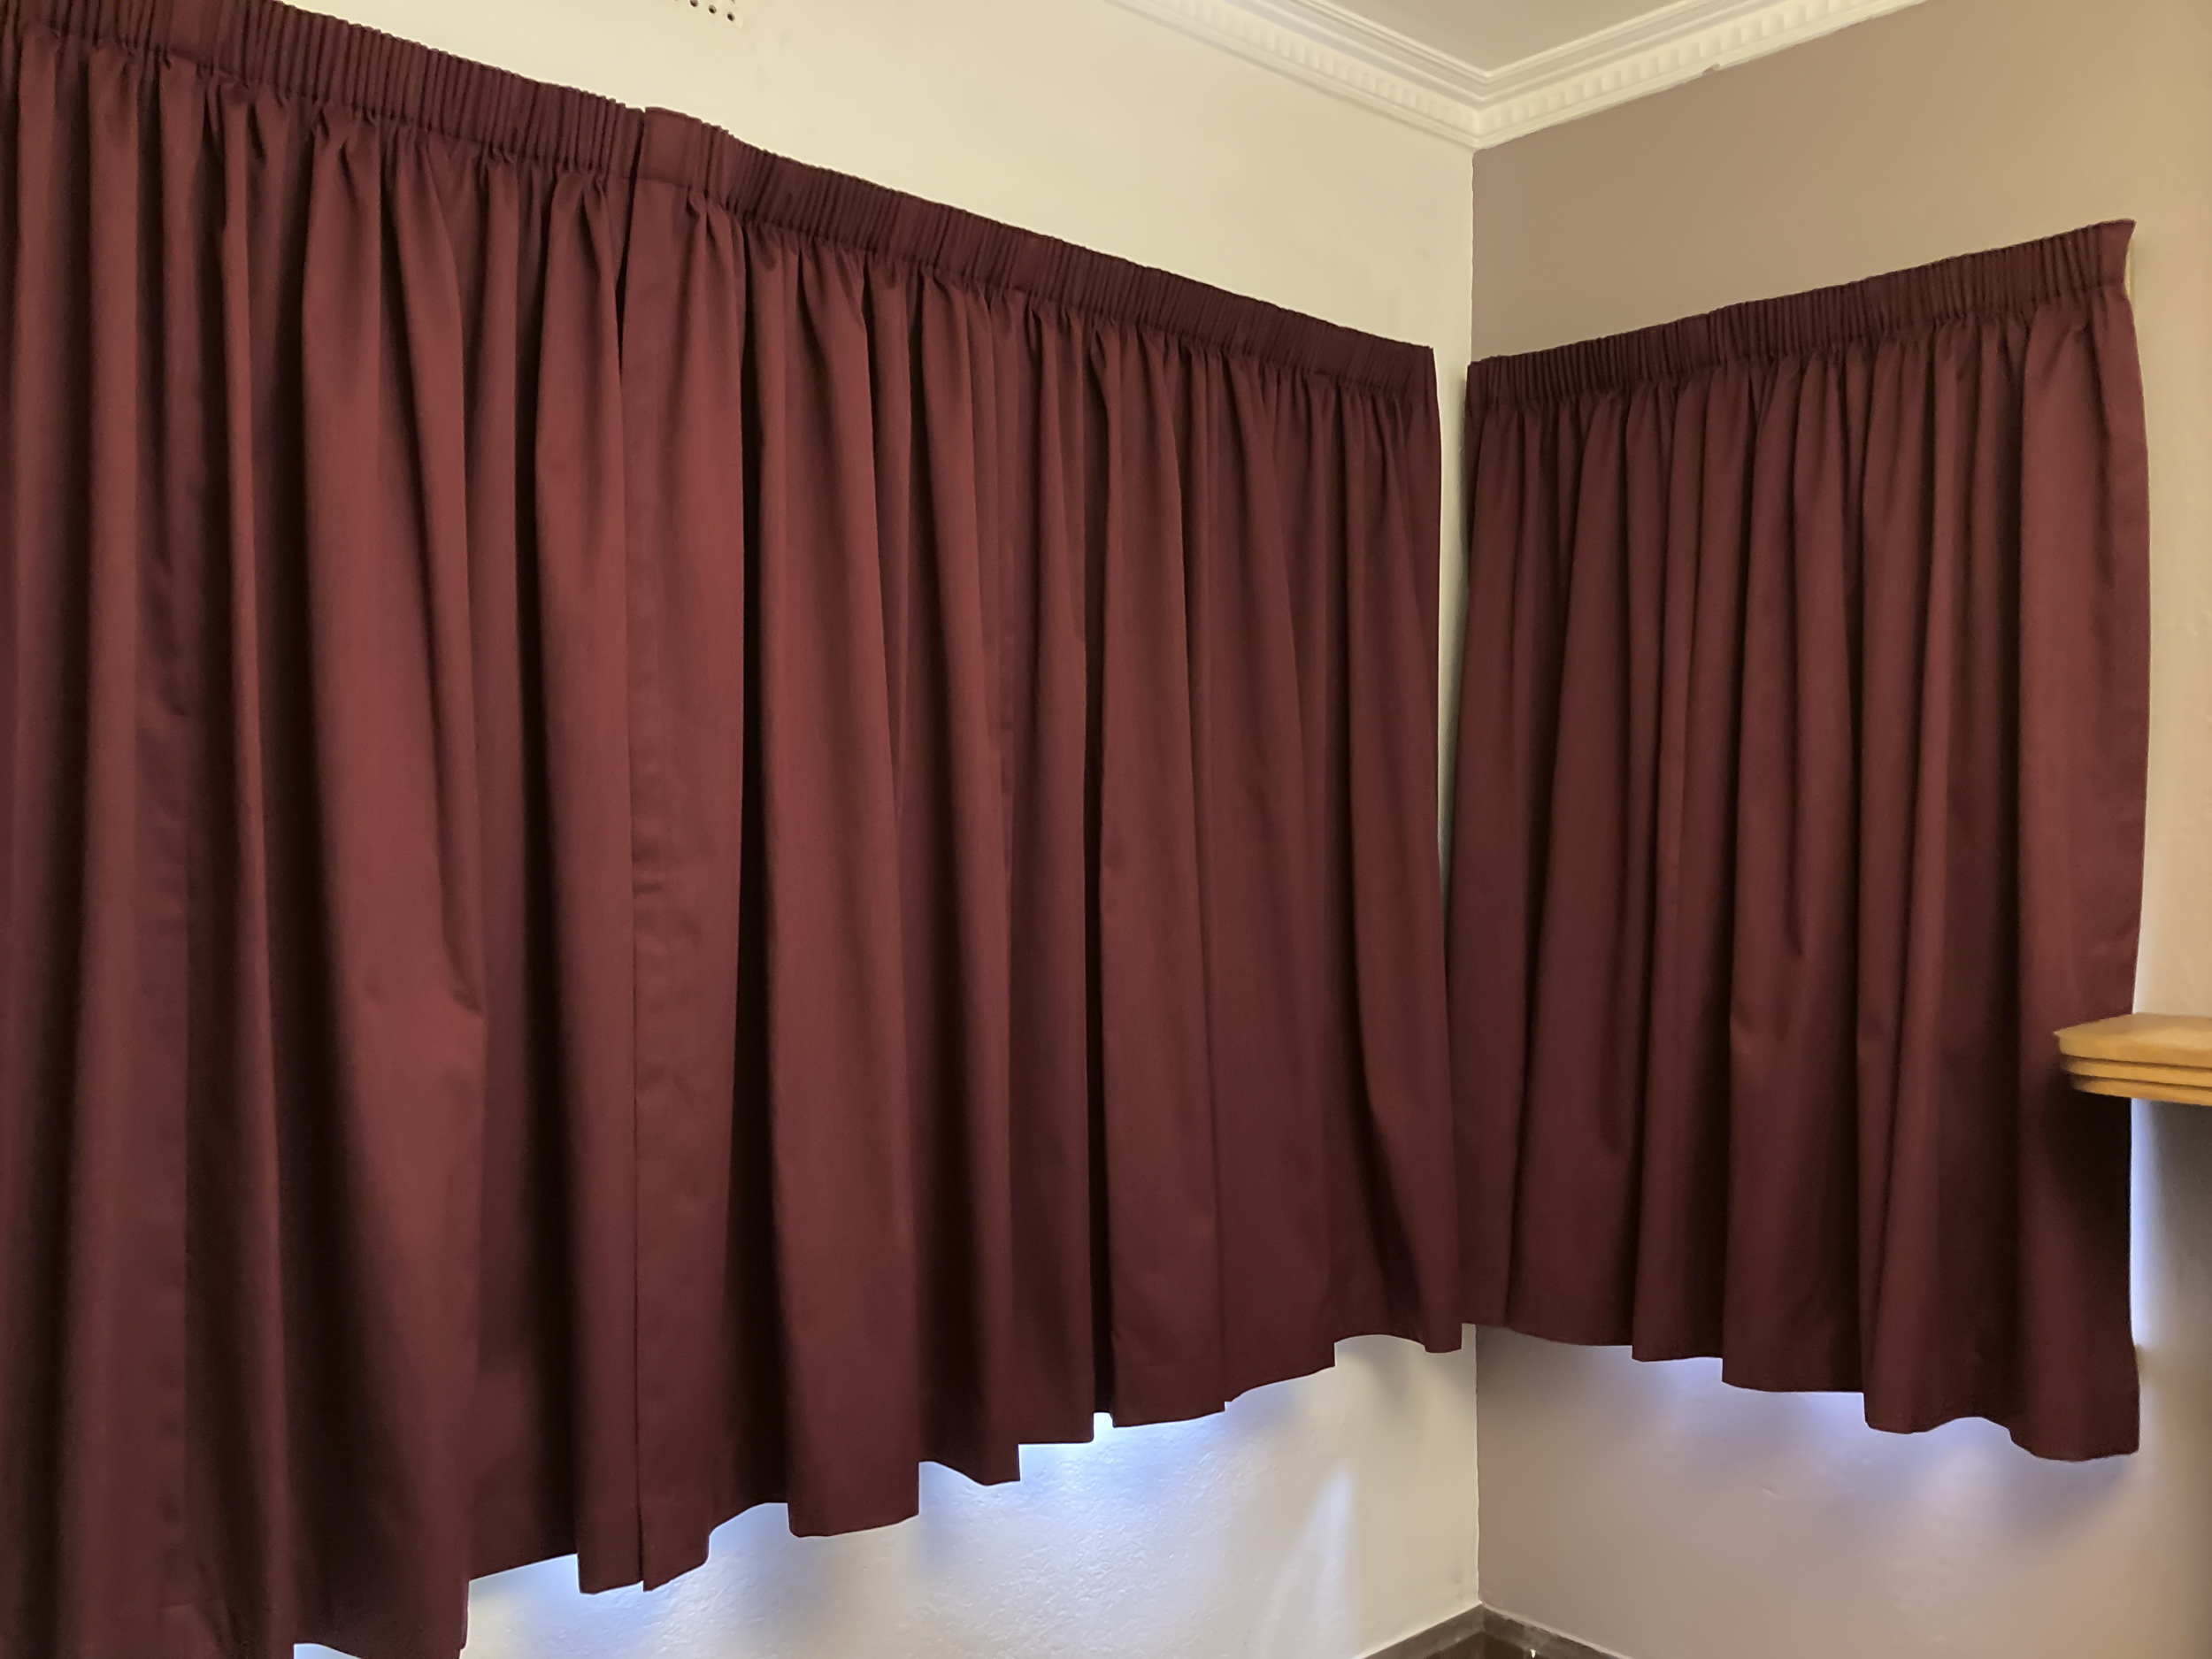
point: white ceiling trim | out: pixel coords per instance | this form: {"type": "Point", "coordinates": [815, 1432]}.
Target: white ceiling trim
{"type": "Point", "coordinates": [1327, 46]}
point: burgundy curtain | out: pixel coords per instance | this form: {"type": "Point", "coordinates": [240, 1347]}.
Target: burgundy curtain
{"type": "Point", "coordinates": [1800, 800]}
{"type": "Point", "coordinates": [676, 833]}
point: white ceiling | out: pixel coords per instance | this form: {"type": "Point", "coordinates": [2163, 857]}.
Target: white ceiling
{"type": "Point", "coordinates": [1485, 71]}
{"type": "Point", "coordinates": [1491, 33]}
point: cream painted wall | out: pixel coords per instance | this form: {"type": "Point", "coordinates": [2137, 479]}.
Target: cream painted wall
{"type": "Point", "coordinates": [1314, 1520]}
{"type": "Point", "coordinates": [1648, 1507]}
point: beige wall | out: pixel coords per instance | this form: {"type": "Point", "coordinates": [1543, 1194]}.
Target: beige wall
{"type": "Point", "coordinates": [1649, 1508]}
{"type": "Point", "coordinates": [1316, 1519]}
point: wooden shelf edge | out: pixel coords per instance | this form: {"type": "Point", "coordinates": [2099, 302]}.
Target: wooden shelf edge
{"type": "Point", "coordinates": [2141, 1057]}
{"type": "Point", "coordinates": [2120, 1089]}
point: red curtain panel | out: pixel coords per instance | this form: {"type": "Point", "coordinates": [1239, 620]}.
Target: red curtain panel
{"type": "Point", "coordinates": [1800, 800]}
{"type": "Point", "coordinates": [676, 832]}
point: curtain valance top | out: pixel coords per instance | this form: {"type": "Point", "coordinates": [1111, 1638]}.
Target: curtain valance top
{"type": "Point", "coordinates": [331, 61]}
{"type": "Point", "coordinates": [968, 249]}
{"type": "Point", "coordinates": [385, 78]}
{"type": "Point", "coordinates": [2001, 280]}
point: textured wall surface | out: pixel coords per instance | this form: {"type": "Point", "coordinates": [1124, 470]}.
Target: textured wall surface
{"type": "Point", "coordinates": [1648, 1507]}
{"type": "Point", "coordinates": [1314, 1519]}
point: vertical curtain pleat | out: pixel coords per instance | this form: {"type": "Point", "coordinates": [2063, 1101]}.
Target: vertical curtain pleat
{"type": "Point", "coordinates": [1799, 800]}
{"type": "Point", "coordinates": [1030, 946]}
{"type": "Point", "coordinates": [679, 833]}
{"type": "Point", "coordinates": [306, 976]}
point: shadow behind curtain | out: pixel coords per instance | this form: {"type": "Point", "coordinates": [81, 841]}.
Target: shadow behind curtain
{"type": "Point", "coordinates": [677, 831]}
{"type": "Point", "coordinates": [1799, 800]}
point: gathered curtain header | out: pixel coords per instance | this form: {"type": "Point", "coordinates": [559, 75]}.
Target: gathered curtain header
{"type": "Point", "coordinates": [330, 61]}
{"type": "Point", "coordinates": [1970, 289]}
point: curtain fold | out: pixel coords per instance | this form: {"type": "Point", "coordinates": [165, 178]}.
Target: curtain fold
{"type": "Point", "coordinates": [1024, 923]}
{"type": "Point", "coordinates": [676, 833]}
{"type": "Point", "coordinates": [1799, 800]}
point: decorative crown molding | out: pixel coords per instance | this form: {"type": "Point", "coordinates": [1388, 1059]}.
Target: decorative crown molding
{"type": "Point", "coordinates": [1326, 45]}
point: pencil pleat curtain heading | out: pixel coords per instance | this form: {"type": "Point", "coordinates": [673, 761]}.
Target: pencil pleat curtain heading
{"type": "Point", "coordinates": [676, 832]}
{"type": "Point", "coordinates": [1799, 802]}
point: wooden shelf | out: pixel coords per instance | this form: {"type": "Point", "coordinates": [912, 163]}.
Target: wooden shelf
{"type": "Point", "coordinates": [2141, 1057]}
